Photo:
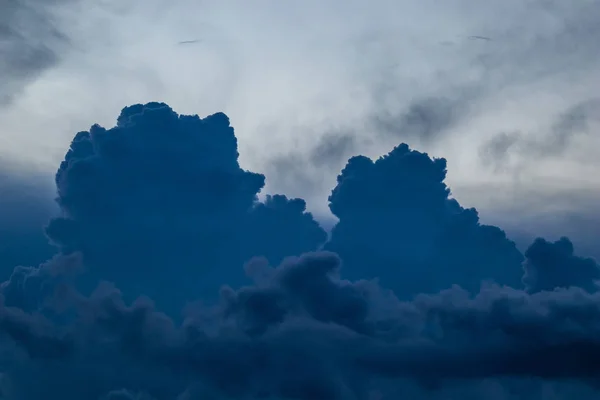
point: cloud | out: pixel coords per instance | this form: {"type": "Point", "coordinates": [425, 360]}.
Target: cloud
{"type": "Point", "coordinates": [25, 207]}
{"type": "Point", "coordinates": [495, 151]}
{"type": "Point", "coordinates": [288, 75]}
{"type": "Point", "coordinates": [303, 172]}
{"type": "Point", "coordinates": [302, 333]}
{"type": "Point", "coordinates": [157, 214]}
{"type": "Point", "coordinates": [297, 84]}
{"type": "Point", "coordinates": [160, 200]}
{"type": "Point", "coordinates": [551, 265]}
{"type": "Point", "coordinates": [425, 119]}
{"type": "Point", "coordinates": [397, 217]}
{"type": "Point", "coordinates": [119, 395]}
{"type": "Point", "coordinates": [31, 41]}
{"type": "Point", "coordinates": [307, 171]}
{"type": "Point", "coordinates": [569, 126]}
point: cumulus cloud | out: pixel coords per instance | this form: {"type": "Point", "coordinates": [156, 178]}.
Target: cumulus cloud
{"type": "Point", "coordinates": [156, 212]}
{"type": "Point", "coordinates": [160, 202]}
{"type": "Point", "coordinates": [552, 265]}
{"type": "Point", "coordinates": [396, 216]}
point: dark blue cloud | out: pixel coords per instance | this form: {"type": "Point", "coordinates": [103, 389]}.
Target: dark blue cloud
{"type": "Point", "coordinates": [397, 218]}
{"type": "Point", "coordinates": [553, 265]}
{"type": "Point", "coordinates": [160, 205]}
{"type": "Point", "coordinates": [157, 212]}
{"type": "Point", "coordinates": [32, 42]}
{"type": "Point", "coordinates": [299, 332]}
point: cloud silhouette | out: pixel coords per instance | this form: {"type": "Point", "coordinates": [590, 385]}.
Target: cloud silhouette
{"type": "Point", "coordinates": [159, 204]}
{"type": "Point", "coordinates": [397, 217]}
{"type": "Point", "coordinates": [157, 213]}
{"type": "Point", "coordinates": [552, 265]}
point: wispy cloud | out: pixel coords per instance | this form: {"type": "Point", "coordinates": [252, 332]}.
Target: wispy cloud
{"type": "Point", "coordinates": [31, 41]}
{"type": "Point", "coordinates": [289, 75]}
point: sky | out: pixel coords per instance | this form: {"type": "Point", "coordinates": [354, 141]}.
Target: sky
{"type": "Point", "coordinates": [513, 114]}
{"type": "Point", "coordinates": [326, 200]}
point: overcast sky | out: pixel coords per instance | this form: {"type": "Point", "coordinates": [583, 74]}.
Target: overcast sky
{"type": "Point", "coordinates": [307, 84]}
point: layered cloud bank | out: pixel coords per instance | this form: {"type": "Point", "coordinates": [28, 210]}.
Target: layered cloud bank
{"type": "Point", "coordinates": [173, 281]}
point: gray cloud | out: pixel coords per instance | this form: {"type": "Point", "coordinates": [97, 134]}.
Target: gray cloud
{"type": "Point", "coordinates": [308, 172]}
{"type": "Point", "coordinates": [332, 149]}
{"type": "Point", "coordinates": [31, 41]}
{"type": "Point", "coordinates": [495, 152]}
{"type": "Point", "coordinates": [424, 119]}
{"type": "Point", "coordinates": [574, 122]}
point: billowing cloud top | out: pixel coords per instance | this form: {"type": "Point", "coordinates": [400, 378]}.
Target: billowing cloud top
{"type": "Point", "coordinates": [159, 207]}
{"type": "Point", "coordinates": [166, 189]}
{"type": "Point", "coordinates": [396, 216]}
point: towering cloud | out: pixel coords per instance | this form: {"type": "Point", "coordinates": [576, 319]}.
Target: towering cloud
{"type": "Point", "coordinates": [160, 206]}
{"type": "Point", "coordinates": [397, 218]}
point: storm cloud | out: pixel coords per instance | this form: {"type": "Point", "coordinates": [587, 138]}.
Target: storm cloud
{"type": "Point", "coordinates": [396, 215]}
{"type": "Point", "coordinates": [160, 201]}
{"type": "Point", "coordinates": [173, 281]}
